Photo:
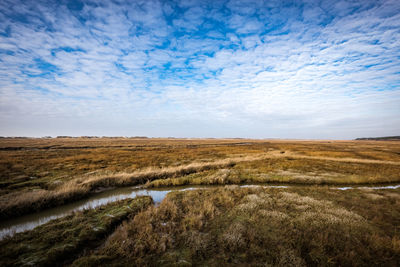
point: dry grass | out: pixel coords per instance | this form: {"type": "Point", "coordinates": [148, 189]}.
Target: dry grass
{"type": "Point", "coordinates": [291, 171]}
{"type": "Point", "coordinates": [226, 226]}
{"type": "Point", "coordinates": [17, 204]}
{"type": "Point", "coordinates": [254, 226]}
{"type": "Point", "coordinates": [41, 173]}
{"type": "Point", "coordinates": [39, 163]}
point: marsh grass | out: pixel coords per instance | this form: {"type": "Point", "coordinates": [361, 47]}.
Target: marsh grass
{"type": "Point", "coordinates": [14, 204]}
{"type": "Point", "coordinates": [301, 226]}
{"type": "Point", "coordinates": [40, 173]}
{"type": "Point", "coordinates": [39, 163]}
{"type": "Point", "coordinates": [254, 226]}
{"type": "Point", "coordinates": [62, 239]}
{"type": "Point", "coordinates": [290, 171]}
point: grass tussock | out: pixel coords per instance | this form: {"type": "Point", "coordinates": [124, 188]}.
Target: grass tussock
{"type": "Point", "coordinates": [254, 226]}
{"type": "Point", "coordinates": [62, 239]}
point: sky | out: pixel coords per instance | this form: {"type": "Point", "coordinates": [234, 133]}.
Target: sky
{"type": "Point", "coordinates": [258, 69]}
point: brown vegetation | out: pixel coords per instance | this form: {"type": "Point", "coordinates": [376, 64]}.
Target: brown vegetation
{"type": "Point", "coordinates": [82, 186]}
{"type": "Point", "coordinates": [296, 226]}
{"type": "Point", "coordinates": [290, 171]}
{"type": "Point", "coordinates": [41, 173]}
{"type": "Point", "coordinates": [255, 226]}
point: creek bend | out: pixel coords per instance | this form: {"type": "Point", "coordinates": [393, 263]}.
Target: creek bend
{"type": "Point", "coordinates": [30, 221]}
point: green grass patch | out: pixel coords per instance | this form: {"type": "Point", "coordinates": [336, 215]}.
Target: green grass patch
{"type": "Point", "coordinates": [59, 240]}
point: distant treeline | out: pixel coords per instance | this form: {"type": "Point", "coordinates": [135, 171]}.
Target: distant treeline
{"type": "Point", "coordinates": [385, 138]}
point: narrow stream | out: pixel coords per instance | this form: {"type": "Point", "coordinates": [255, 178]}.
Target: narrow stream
{"type": "Point", "coordinates": [28, 222]}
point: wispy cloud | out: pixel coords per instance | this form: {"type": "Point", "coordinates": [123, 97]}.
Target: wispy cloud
{"type": "Point", "coordinates": [311, 69]}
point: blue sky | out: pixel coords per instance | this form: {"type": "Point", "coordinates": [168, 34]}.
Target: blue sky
{"type": "Point", "coordinates": [259, 69]}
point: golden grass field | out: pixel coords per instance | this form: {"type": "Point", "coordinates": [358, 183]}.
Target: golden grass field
{"type": "Point", "coordinates": [42, 173]}
{"type": "Point", "coordinates": [311, 224]}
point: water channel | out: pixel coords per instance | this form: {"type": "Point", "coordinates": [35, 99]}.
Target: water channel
{"type": "Point", "coordinates": [28, 222]}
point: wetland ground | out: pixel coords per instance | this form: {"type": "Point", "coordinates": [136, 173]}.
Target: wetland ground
{"type": "Point", "coordinates": [305, 225]}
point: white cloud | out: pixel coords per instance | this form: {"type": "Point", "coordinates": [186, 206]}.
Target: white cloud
{"type": "Point", "coordinates": [328, 70]}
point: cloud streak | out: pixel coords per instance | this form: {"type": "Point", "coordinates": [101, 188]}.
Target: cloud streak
{"type": "Point", "coordinates": [327, 69]}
